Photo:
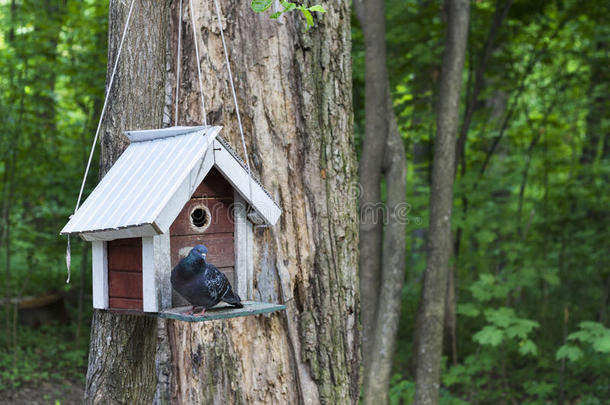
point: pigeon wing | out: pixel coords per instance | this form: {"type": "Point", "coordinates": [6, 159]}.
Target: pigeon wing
{"type": "Point", "coordinates": [216, 283]}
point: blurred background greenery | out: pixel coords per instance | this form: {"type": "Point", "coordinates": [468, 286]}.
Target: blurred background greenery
{"type": "Point", "coordinates": [532, 258]}
{"type": "Point", "coordinates": [52, 73]}
{"type": "Point", "coordinates": [530, 217]}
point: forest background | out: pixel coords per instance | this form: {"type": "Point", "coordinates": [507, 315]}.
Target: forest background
{"type": "Point", "coordinates": [528, 309]}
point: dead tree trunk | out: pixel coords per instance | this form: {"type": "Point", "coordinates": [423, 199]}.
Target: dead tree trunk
{"type": "Point", "coordinates": [294, 90]}
{"type": "Point", "coordinates": [432, 307]}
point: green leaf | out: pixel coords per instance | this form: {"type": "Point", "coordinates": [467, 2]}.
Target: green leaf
{"type": "Point", "coordinates": [569, 352]}
{"type": "Point", "coordinates": [308, 16]}
{"type": "Point", "coordinates": [521, 328]}
{"type": "Point", "coordinates": [602, 344]}
{"type": "Point", "coordinates": [260, 5]}
{"type": "Point", "coordinates": [501, 317]}
{"type": "Point", "coordinates": [582, 335]}
{"type": "Point", "coordinates": [275, 15]}
{"type": "Point", "coordinates": [469, 310]}
{"type": "Point", "coordinates": [528, 347]}
{"type": "Point", "coordinates": [288, 6]}
{"type": "Point", "coordinates": [489, 335]}
{"type": "Point", "coordinates": [317, 8]}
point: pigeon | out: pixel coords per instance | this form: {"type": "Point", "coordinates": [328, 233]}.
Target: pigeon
{"type": "Point", "coordinates": [201, 283]}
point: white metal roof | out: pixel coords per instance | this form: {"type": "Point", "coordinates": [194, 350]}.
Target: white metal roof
{"type": "Point", "coordinates": [146, 188]}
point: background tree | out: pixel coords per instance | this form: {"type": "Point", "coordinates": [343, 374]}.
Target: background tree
{"type": "Point", "coordinates": [515, 277]}
{"type": "Point", "coordinates": [433, 303]}
{"type": "Point", "coordinates": [382, 226]}
{"type": "Point", "coordinates": [299, 138]}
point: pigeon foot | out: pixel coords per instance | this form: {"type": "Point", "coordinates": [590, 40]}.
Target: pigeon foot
{"type": "Point", "coordinates": [199, 313]}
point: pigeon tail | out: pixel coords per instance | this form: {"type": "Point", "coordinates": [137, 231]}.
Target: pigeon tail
{"type": "Point", "coordinates": [232, 298]}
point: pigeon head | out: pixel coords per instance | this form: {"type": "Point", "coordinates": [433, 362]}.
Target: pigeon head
{"type": "Point", "coordinates": [200, 251]}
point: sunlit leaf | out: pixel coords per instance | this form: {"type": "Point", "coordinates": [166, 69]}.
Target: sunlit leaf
{"type": "Point", "coordinates": [318, 8]}
{"type": "Point", "coordinates": [489, 335]}
{"type": "Point", "coordinates": [260, 5]}
{"type": "Point", "coordinates": [569, 352]}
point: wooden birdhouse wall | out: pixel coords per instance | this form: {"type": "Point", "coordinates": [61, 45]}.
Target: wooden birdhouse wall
{"type": "Point", "coordinates": [207, 218]}
{"type": "Point", "coordinates": [125, 273]}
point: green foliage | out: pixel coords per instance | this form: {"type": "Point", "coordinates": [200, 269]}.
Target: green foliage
{"type": "Point", "coordinates": [530, 217]}
{"type": "Point", "coordinates": [590, 333]}
{"type": "Point", "coordinates": [260, 6]}
{"type": "Point", "coordinates": [52, 73]}
{"type": "Point", "coordinates": [505, 326]}
{"type": "Point", "coordinates": [46, 353]}
{"type": "Point", "coordinates": [402, 392]}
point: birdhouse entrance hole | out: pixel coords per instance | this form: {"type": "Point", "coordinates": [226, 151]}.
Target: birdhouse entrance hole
{"type": "Point", "coordinates": [207, 219]}
{"type": "Point", "coordinates": [200, 217]}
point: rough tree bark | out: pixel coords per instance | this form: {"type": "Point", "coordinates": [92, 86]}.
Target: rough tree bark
{"type": "Point", "coordinates": [382, 228]}
{"type": "Point", "coordinates": [294, 90]}
{"type": "Point", "coordinates": [430, 339]}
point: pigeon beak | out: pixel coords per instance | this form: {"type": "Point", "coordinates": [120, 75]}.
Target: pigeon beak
{"type": "Point", "coordinates": [203, 255]}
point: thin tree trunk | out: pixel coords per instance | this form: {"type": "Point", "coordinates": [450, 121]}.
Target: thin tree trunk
{"type": "Point", "coordinates": [377, 374]}
{"type": "Point", "coordinates": [382, 264]}
{"type": "Point", "coordinates": [370, 172]}
{"type": "Point", "coordinates": [450, 324]}
{"type": "Point", "coordinates": [294, 90]}
{"type": "Point", "coordinates": [474, 87]}
{"type": "Point", "coordinates": [441, 201]}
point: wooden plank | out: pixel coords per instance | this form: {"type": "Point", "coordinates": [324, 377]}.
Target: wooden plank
{"type": "Point", "coordinates": [99, 260]}
{"type": "Point", "coordinates": [250, 261]}
{"type": "Point", "coordinates": [163, 269]}
{"type": "Point", "coordinates": [221, 251]}
{"type": "Point", "coordinates": [148, 279]}
{"type": "Point", "coordinates": [156, 271]}
{"type": "Point", "coordinates": [239, 179]}
{"type": "Point", "coordinates": [220, 212]}
{"type": "Point", "coordinates": [241, 253]}
{"type": "Point", "coordinates": [125, 284]}
{"type": "Point", "coordinates": [125, 254]}
{"type": "Point", "coordinates": [222, 311]}
{"type": "Point", "coordinates": [125, 303]}
{"type": "Point", "coordinates": [214, 185]}
{"type": "Point", "coordinates": [135, 242]}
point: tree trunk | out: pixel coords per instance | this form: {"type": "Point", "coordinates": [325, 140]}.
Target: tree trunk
{"type": "Point", "coordinates": [389, 296]}
{"type": "Point", "coordinates": [294, 90]}
{"type": "Point", "coordinates": [372, 19]}
{"type": "Point", "coordinates": [382, 227]}
{"type": "Point", "coordinates": [430, 340]}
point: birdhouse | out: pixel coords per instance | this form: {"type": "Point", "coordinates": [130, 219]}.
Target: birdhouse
{"type": "Point", "coordinates": [170, 190]}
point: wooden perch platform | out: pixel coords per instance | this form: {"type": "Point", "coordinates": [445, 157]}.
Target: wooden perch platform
{"type": "Point", "coordinates": [221, 311]}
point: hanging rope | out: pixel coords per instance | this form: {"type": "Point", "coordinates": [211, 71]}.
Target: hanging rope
{"type": "Point", "coordinates": [203, 113]}
{"type": "Point", "coordinates": [99, 125]}
{"type": "Point", "coordinates": [178, 63]}
{"type": "Point", "coordinates": [205, 118]}
{"type": "Point", "coordinates": [241, 129]}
